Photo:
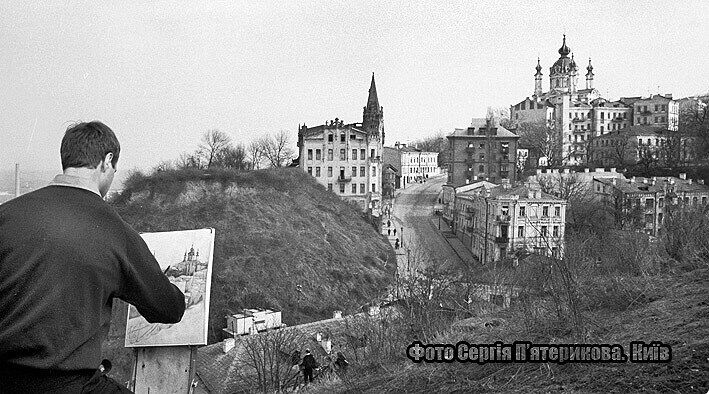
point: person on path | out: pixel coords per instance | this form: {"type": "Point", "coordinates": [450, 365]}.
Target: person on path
{"type": "Point", "coordinates": [309, 364]}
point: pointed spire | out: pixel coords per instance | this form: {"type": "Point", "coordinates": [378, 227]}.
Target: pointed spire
{"type": "Point", "coordinates": [572, 65]}
{"type": "Point", "coordinates": [590, 67]}
{"type": "Point", "coordinates": [539, 67]}
{"type": "Point", "coordinates": [564, 50]}
{"type": "Point", "coordinates": [373, 101]}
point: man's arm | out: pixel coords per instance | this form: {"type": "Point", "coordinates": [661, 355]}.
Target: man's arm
{"type": "Point", "coordinates": [145, 285]}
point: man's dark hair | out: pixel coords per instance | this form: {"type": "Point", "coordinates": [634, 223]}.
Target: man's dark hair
{"type": "Point", "coordinates": [86, 144]}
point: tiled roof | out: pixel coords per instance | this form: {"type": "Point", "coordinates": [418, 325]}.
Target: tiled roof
{"type": "Point", "coordinates": [644, 185]}
{"type": "Point", "coordinates": [481, 123]}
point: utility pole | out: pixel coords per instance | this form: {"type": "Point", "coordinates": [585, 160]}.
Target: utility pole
{"type": "Point", "coordinates": [17, 179]}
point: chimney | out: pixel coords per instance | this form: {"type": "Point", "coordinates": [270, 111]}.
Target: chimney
{"type": "Point", "coordinates": [396, 144]}
{"type": "Point", "coordinates": [17, 179]}
{"type": "Point", "coordinates": [612, 169]}
{"type": "Point", "coordinates": [632, 180]}
{"type": "Point", "coordinates": [682, 175]}
{"type": "Point", "coordinates": [645, 181]}
{"type": "Point", "coordinates": [700, 181]}
{"type": "Point", "coordinates": [228, 344]}
{"type": "Point", "coordinates": [615, 181]}
{"type": "Point", "coordinates": [337, 315]}
{"type": "Point", "coordinates": [586, 170]}
{"type": "Point", "coordinates": [374, 310]}
{"type": "Point", "coordinates": [689, 181]}
{"type": "Point", "coordinates": [653, 182]}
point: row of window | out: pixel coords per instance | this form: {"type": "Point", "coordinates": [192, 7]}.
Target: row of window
{"type": "Point", "coordinates": [343, 137]}
{"type": "Point", "coordinates": [658, 107]}
{"type": "Point", "coordinates": [523, 211]}
{"type": "Point", "coordinates": [353, 188]}
{"type": "Point", "coordinates": [543, 231]}
{"type": "Point", "coordinates": [343, 154]}
{"type": "Point", "coordinates": [353, 173]}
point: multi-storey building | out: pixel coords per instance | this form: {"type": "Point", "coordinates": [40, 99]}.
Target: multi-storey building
{"type": "Point", "coordinates": [577, 115]}
{"type": "Point", "coordinates": [656, 110]}
{"type": "Point", "coordinates": [346, 158]}
{"type": "Point", "coordinates": [413, 164]}
{"type": "Point", "coordinates": [644, 202]}
{"type": "Point", "coordinates": [499, 222]}
{"type": "Point", "coordinates": [652, 145]}
{"type": "Point", "coordinates": [483, 151]}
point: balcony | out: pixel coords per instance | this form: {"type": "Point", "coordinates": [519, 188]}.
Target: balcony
{"type": "Point", "coordinates": [503, 218]}
{"type": "Point", "coordinates": [501, 240]}
{"type": "Point", "coordinates": [344, 179]}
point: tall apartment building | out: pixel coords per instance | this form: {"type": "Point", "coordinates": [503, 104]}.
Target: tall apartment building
{"type": "Point", "coordinates": [499, 222]}
{"type": "Point", "coordinates": [657, 110]}
{"type": "Point", "coordinates": [646, 200]}
{"type": "Point", "coordinates": [483, 151]}
{"type": "Point", "coordinates": [346, 158]}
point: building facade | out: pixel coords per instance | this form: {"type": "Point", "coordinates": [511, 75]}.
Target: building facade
{"type": "Point", "coordinates": [346, 158]}
{"type": "Point", "coordinates": [483, 151]}
{"type": "Point", "coordinates": [413, 164]}
{"type": "Point", "coordinates": [644, 202]}
{"type": "Point", "coordinates": [504, 221]}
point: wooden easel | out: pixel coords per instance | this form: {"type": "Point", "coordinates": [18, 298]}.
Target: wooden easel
{"type": "Point", "coordinates": [163, 369]}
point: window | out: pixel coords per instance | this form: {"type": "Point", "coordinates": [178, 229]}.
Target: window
{"type": "Point", "coordinates": [555, 231]}
{"type": "Point", "coordinates": [342, 188]}
{"type": "Point", "coordinates": [330, 138]}
{"type": "Point", "coordinates": [648, 218]}
{"type": "Point", "coordinates": [318, 154]}
{"type": "Point", "coordinates": [310, 154]}
{"type": "Point", "coordinates": [481, 168]}
{"type": "Point", "coordinates": [354, 154]}
{"type": "Point", "coordinates": [557, 211]}
{"type": "Point", "coordinates": [659, 218]}
{"type": "Point", "coordinates": [505, 210]}
{"type": "Point", "coordinates": [482, 145]}
{"type": "Point", "coordinates": [329, 154]}
{"type": "Point", "coordinates": [342, 154]}
{"type": "Point", "coordinates": [694, 201]}
{"type": "Point", "coordinates": [601, 129]}
{"type": "Point", "coordinates": [657, 107]}
{"type": "Point", "coordinates": [522, 211]}
{"type": "Point", "coordinates": [505, 148]}
{"type": "Point", "coordinates": [544, 231]}
{"type": "Point", "coordinates": [342, 173]}
{"type": "Point", "coordinates": [361, 188]}
{"type": "Point", "coordinates": [482, 156]}
{"type": "Point", "coordinates": [504, 173]}
{"type": "Point", "coordinates": [361, 171]}
{"type": "Point", "coordinates": [371, 154]}
{"type": "Point", "coordinates": [354, 188]}
{"type": "Point", "coordinates": [317, 172]}
{"type": "Point", "coordinates": [374, 187]}
{"type": "Point", "coordinates": [704, 200]}
{"type": "Point", "coordinates": [342, 137]}
{"type": "Point", "coordinates": [661, 202]}
{"type": "Point", "coordinates": [362, 155]}
{"type": "Point", "coordinates": [649, 203]}
{"type": "Point", "coordinates": [354, 171]}
{"type": "Point", "coordinates": [520, 231]}
{"type": "Point", "coordinates": [329, 171]}
{"type": "Point", "coordinates": [310, 170]}
{"type": "Point", "coordinates": [329, 187]}
{"type": "Point", "coordinates": [545, 211]}
{"type": "Point", "coordinates": [353, 137]}
{"type": "Point", "coordinates": [664, 107]}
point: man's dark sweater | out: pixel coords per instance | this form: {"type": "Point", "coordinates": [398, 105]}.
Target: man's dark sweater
{"type": "Point", "coordinates": [64, 255]}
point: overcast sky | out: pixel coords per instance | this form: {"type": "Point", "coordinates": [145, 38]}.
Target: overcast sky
{"type": "Point", "coordinates": [160, 73]}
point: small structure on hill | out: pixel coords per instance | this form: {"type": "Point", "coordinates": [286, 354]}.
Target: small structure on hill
{"type": "Point", "coordinates": [252, 321]}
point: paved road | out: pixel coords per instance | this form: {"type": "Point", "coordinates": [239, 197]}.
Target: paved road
{"type": "Point", "coordinates": [413, 210]}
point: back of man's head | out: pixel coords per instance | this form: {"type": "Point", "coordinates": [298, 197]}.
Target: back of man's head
{"type": "Point", "coordinates": [86, 144]}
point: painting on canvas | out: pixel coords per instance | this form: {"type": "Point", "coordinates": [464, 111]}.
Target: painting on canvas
{"type": "Point", "coordinates": [186, 258]}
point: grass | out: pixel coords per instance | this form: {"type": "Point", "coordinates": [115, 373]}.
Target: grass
{"type": "Point", "coordinates": [275, 229]}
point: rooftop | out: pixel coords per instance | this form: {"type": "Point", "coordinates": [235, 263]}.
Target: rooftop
{"type": "Point", "coordinates": [478, 128]}
{"type": "Point", "coordinates": [654, 184]}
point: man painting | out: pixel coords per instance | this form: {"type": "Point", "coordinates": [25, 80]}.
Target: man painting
{"type": "Point", "coordinates": [64, 255]}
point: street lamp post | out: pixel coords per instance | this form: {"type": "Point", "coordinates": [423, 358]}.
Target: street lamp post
{"type": "Point", "coordinates": [401, 234]}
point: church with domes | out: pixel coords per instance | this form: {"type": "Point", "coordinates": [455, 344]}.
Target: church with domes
{"type": "Point", "coordinates": [575, 113]}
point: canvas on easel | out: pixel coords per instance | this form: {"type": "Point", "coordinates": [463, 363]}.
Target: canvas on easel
{"type": "Point", "coordinates": [186, 257]}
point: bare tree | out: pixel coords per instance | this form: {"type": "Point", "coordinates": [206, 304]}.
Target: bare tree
{"type": "Point", "coordinates": [188, 160]}
{"type": "Point", "coordinates": [255, 153]}
{"type": "Point", "coordinates": [276, 149]}
{"type": "Point", "coordinates": [214, 142]}
{"type": "Point", "coordinates": [232, 157]}
{"type": "Point", "coordinates": [543, 140]}
{"type": "Point", "coordinates": [694, 125]}
{"type": "Point", "coordinates": [270, 360]}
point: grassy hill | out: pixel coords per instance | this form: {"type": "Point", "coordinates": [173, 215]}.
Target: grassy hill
{"type": "Point", "coordinates": [275, 229]}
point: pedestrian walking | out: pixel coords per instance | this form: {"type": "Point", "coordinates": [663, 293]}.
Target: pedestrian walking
{"type": "Point", "coordinates": [388, 223]}
{"type": "Point", "coordinates": [396, 244]}
{"type": "Point", "coordinates": [388, 231]}
{"type": "Point", "coordinates": [395, 232]}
